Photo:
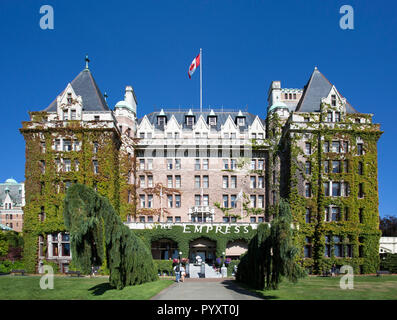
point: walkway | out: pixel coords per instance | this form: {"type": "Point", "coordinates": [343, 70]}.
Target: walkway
{"type": "Point", "coordinates": [205, 289]}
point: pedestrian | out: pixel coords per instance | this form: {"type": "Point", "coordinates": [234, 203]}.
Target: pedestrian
{"type": "Point", "coordinates": [177, 272]}
{"type": "Point", "coordinates": [183, 273]}
{"type": "Point", "coordinates": [333, 270]}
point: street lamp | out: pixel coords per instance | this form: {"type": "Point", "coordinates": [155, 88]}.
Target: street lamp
{"type": "Point", "coordinates": [180, 261]}
{"type": "Point", "coordinates": [223, 254]}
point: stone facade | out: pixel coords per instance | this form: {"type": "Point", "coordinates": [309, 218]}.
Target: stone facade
{"type": "Point", "coordinates": [12, 200]}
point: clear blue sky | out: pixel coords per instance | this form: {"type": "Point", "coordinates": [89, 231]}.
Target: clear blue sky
{"type": "Point", "coordinates": [246, 44]}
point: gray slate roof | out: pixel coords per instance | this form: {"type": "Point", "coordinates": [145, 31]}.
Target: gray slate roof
{"type": "Point", "coordinates": [317, 87]}
{"type": "Point", "coordinates": [14, 193]}
{"type": "Point", "coordinates": [85, 86]}
{"type": "Point", "coordinates": [221, 118]}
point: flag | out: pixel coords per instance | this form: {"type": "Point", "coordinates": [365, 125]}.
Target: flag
{"type": "Point", "coordinates": [195, 63]}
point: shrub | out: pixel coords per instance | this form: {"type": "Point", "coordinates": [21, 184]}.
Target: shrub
{"type": "Point", "coordinates": [6, 266]}
{"type": "Point", "coordinates": [164, 266]}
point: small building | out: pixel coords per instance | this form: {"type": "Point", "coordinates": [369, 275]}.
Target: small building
{"type": "Point", "coordinates": [12, 200]}
{"type": "Point", "coordinates": [388, 245]}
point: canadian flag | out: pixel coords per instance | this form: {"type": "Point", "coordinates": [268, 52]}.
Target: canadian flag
{"type": "Point", "coordinates": [195, 63]}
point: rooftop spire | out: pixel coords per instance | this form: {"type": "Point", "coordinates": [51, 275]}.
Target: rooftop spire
{"type": "Point", "coordinates": [86, 61]}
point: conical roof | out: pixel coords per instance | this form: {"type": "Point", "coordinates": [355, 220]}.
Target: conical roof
{"type": "Point", "coordinates": [85, 86]}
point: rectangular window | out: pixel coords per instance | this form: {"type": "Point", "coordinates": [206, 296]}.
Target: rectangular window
{"type": "Point", "coordinates": [345, 187]}
{"type": "Point", "coordinates": [197, 182]}
{"type": "Point", "coordinates": [329, 116]}
{"type": "Point", "coordinates": [233, 164]}
{"type": "Point", "coordinates": [205, 200]}
{"type": "Point", "coordinates": [336, 166]}
{"type": "Point", "coordinates": [346, 166]}
{"type": "Point", "coordinates": [169, 200]}
{"type": "Point", "coordinates": [149, 164]}
{"type": "Point", "coordinates": [260, 164]}
{"type": "Point", "coordinates": [169, 219]}
{"type": "Point", "coordinates": [326, 146]}
{"type": "Point", "coordinates": [96, 167]}
{"type": "Point", "coordinates": [67, 145]}
{"type": "Point", "coordinates": [233, 202]}
{"type": "Point", "coordinates": [205, 182]}
{"type": "Point", "coordinates": [197, 164]}
{"type": "Point", "coordinates": [42, 166]}
{"type": "Point", "coordinates": [142, 219]}
{"type": "Point", "coordinates": [225, 201]}
{"type": "Point", "coordinates": [233, 183]}
{"type": "Point", "coordinates": [177, 201]}
{"type": "Point", "coordinates": [337, 116]}
{"type": "Point", "coordinates": [361, 190]}
{"type": "Point", "coordinates": [335, 214]}
{"type": "Point", "coordinates": [160, 121]}
{"type": "Point", "coordinates": [177, 181]}
{"type": "Point", "coordinates": [361, 215]}
{"type": "Point", "coordinates": [326, 166]}
{"type": "Point", "coordinates": [261, 183]}
{"type": "Point", "coordinates": [189, 121]}
{"type": "Point", "coordinates": [308, 191]}
{"type": "Point", "coordinates": [333, 100]}
{"type": "Point", "coordinates": [308, 215]}
{"type": "Point", "coordinates": [345, 146]}
{"type": "Point", "coordinates": [261, 201]}
{"type": "Point", "coordinates": [253, 164]}
{"type": "Point", "coordinates": [205, 164]}
{"type": "Point", "coordinates": [335, 189]}
{"type": "Point", "coordinates": [226, 219]}
{"type": "Point", "coordinates": [57, 145]}
{"type": "Point", "coordinates": [142, 201]}
{"type": "Point", "coordinates": [42, 147]}
{"type": "Point", "coordinates": [360, 149]}
{"type": "Point", "coordinates": [308, 167]}
{"type": "Point", "coordinates": [225, 164]}
{"type": "Point", "coordinates": [178, 164]}
{"type": "Point", "coordinates": [142, 181]}
{"type": "Point", "coordinates": [150, 181]}
{"type": "Point", "coordinates": [169, 164]}
{"type": "Point", "coordinates": [252, 219]}
{"type": "Point", "coordinates": [252, 182]}
{"type": "Point", "coordinates": [326, 188]}
{"type": "Point", "coordinates": [142, 164]}
{"type": "Point", "coordinates": [169, 182]}
{"type": "Point", "coordinates": [197, 200]}
{"type": "Point", "coordinates": [96, 146]}
{"type": "Point", "coordinates": [308, 148]}
{"type": "Point", "coordinates": [336, 146]}
{"type": "Point", "coordinates": [150, 201]}
{"type": "Point", "coordinates": [253, 201]}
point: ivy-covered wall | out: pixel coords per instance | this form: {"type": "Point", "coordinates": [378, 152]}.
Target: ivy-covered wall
{"type": "Point", "coordinates": [45, 185]}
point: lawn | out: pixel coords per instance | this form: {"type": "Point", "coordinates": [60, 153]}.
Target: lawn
{"type": "Point", "coordinates": [320, 288]}
{"type": "Point", "coordinates": [67, 288]}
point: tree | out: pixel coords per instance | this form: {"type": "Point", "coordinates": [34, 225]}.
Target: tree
{"type": "Point", "coordinates": [271, 253]}
{"type": "Point", "coordinates": [97, 235]}
{"type": "Point", "coordinates": [388, 226]}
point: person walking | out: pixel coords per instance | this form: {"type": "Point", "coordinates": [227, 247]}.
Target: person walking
{"type": "Point", "coordinates": [177, 272]}
{"type": "Point", "coordinates": [183, 273]}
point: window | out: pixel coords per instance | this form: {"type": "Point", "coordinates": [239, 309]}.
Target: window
{"type": "Point", "coordinates": [345, 146]}
{"type": "Point", "coordinates": [308, 191]}
{"type": "Point", "coordinates": [169, 201]}
{"type": "Point", "coordinates": [177, 219]}
{"type": "Point", "coordinates": [177, 201]}
{"type": "Point", "coordinates": [327, 251]}
{"type": "Point", "coordinates": [336, 189]}
{"type": "Point", "coordinates": [42, 214]}
{"type": "Point", "coordinates": [335, 214]}
{"type": "Point", "coordinates": [177, 181]}
{"type": "Point", "coordinates": [338, 252]}
{"type": "Point", "coordinates": [225, 182]}
{"type": "Point", "coordinates": [308, 148]}
{"type": "Point", "coordinates": [345, 187]}
{"type": "Point", "coordinates": [96, 167]}
{"type": "Point", "coordinates": [150, 201]}
{"type": "Point", "coordinates": [149, 164]}
{"type": "Point", "coordinates": [212, 121]}
{"type": "Point", "coordinates": [336, 166]}
{"type": "Point", "coordinates": [65, 115]}
{"type": "Point", "coordinates": [253, 165]}
{"type": "Point", "coordinates": [252, 219]}
{"type": "Point", "coordinates": [225, 201]}
{"type": "Point", "coordinates": [68, 166]}
{"type": "Point", "coordinates": [308, 215]}
{"type": "Point", "coordinates": [360, 168]}
{"type": "Point", "coordinates": [241, 121]}
{"type": "Point", "coordinates": [326, 146]}
{"type": "Point", "coordinates": [169, 182]}
{"type": "Point", "coordinates": [169, 219]}
{"type": "Point", "coordinates": [329, 116]}
{"type": "Point", "coordinates": [261, 183]}
{"type": "Point", "coordinates": [142, 219]}
{"type": "Point", "coordinates": [96, 118]}
{"type": "Point", "coordinates": [205, 200]}
{"type": "Point", "coordinates": [67, 145]}
{"type": "Point", "coordinates": [306, 119]}
{"type": "Point", "coordinates": [252, 182]}
{"type": "Point", "coordinates": [205, 164]}
{"type": "Point", "coordinates": [361, 190]}
{"type": "Point", "coordinates": [205, 182]}
{"type": "Point", "coordinates": [197, 164]}
{"type": "Point", "coordinates": [233, 164]}
{"type": "Point", "coordinates": [177, 164]}
{"type": "Point", "coordinates": [73, 115]}
{"type": "Point", "coordinates": [142, 164]}
{"type": "Point", "coordinates": [233, 182]}
{"type": "Point", "coordinates": [189, 121]}
{"type": "Point", "coordinates": [169, 164]}
{"type": "Point", "coordinates": [261, 201]}
{"type": "Point", "coordinates": [260, 164]}
{"type": "Point", "coordinates": [42, 147]}
{"type": "Point", "coordinates": [197, 182]}
{"type": "Point", "coordinates": [326, 166]}
{"type": "Point", "coordinates": [253, 201]}
{"type": "Point", "coordinates": [161, 120]}
{"type": "Point", "coordinates": [337, 116]}
{"type": "Point", "coordinates": [286, 96]}
{"type": "Point", "coordinates": [225, 164]}
{"type": "Point", "coordinates": [336, 146]}
{"type": "Point", "coordinates": [346, 166]}
{"type": "Point", "coordinates": [142, 135]}
{"type": "Point", "coordinates": [333, 100]}
{"type": "Point", "coordinates": [197, 200]}
{"type": "Point", "coordinates": [67, 184]}
{"type": "Point", "coordinates": [359, 149]}
{"type": "Point", "coordinates": [361, 215]}
{"type": "Point", "coordinates": [42, 166]}
{"type": "Point", "coordinates": [150, 181]}
{"type": "Point", "coordinates": [226, 219]}
{"type": "Point", "coordinates": [308, 248]}
{"type": "Point", "coordinates": [308, 167]}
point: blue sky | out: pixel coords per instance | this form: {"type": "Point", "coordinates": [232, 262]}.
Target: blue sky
{"type": "Point", "coordinates": [246, 44]}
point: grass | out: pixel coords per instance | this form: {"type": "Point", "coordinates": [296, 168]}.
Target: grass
{"type": "Point", "coordinates": [319, 288]}
{"type": "Point", "coordinates": [68, 288]}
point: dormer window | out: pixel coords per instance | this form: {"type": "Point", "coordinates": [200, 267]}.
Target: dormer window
{"type": "Point", "coordinates": [189, 120]}
{"type": "Point", "coordinates": [333, 100]}
{"type": "Point", "coordinates": [240, 121]}
{"type": "Point", "coordinates": [212, 120]}
{"type": "Point", "coordinates": [161, 120]}
{"type": "Point", "coordinates": [73, 115]}
{"type": "Point", "coordinates": [69, 98]}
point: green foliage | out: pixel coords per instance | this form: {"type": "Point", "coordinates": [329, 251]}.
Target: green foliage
{"type": "Point", "coordinates": [6, 266]}
{"type": "Point", "coordinates": [230, 267]}
{"type": "Point", "coordinates": [164, 266]}
{"type": "Point", "coordinates": [98, 234]}
{"type": "Point", "coordinates": [388, 261]}
{"type": "Point", "coordinates": [271, 254]}
{"type": "Point", "coordinates": [9, 239]}
{"type": "Point", "coordinates": [53, 264]}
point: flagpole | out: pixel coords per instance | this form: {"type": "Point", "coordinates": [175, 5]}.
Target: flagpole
{"type": "Point", "coordinates": [201, 80]}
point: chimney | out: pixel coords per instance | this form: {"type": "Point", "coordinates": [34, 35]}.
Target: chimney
{"type": "Point", "coordinates": [130, 97]}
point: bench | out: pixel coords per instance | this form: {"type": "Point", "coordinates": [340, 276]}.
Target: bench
{"type": "Point", "coordinates": [71, 273]}
{"type": "Point", "coordinates": [22, 272]}
{"type": "Point", "coordinates": [380, 272]}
